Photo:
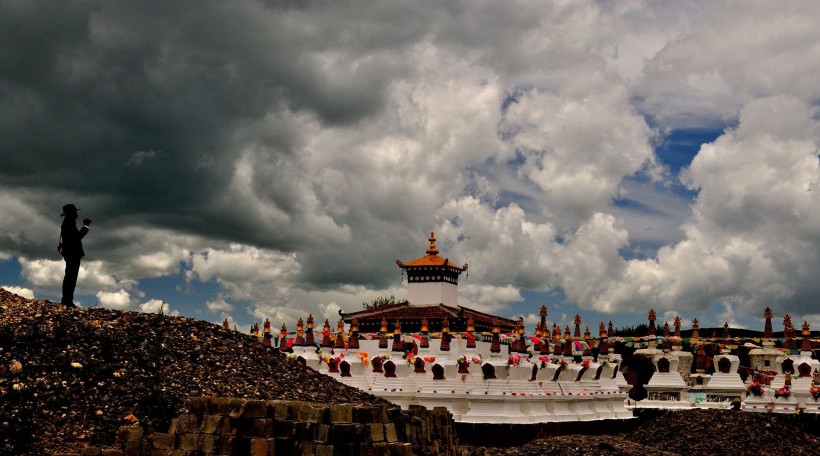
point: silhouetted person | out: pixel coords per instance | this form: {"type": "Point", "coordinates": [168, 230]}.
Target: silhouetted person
{"type": "Point", "coordinates": [72, 252]}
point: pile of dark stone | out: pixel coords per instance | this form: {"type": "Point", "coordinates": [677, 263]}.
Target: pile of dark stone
{"type": "Point", "coordinates": [687, 432]}
{"type": "Point", "coordinates": [71, 377]}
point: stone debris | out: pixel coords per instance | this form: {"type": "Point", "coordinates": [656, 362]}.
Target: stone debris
{"type": "Point", "coordinates": [70, 378]}
{"type": "Point", "coordinates": [730, 432]}
{"type": "Point", "coordinates": [686, 432]}
{"type": "Point", "coordinates": [580, 445]}
{"type": "Point", "coordinates": [238, 427]}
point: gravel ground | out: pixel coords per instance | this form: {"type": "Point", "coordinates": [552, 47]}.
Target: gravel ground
{"type": "Point", "coordinates": [687, 433]}
{"type": "Point", "coordinates": [71, 377]}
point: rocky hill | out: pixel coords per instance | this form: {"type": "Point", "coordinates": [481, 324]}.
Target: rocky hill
{"type": "Point", "coordinates": [71, 377]}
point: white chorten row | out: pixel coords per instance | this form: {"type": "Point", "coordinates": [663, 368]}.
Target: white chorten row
{"type": "Point", "coordinates": [539, 389]}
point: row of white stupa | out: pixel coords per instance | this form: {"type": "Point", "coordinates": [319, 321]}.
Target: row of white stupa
{"type": "Point", "coordinates": [529, 390]}
{"type": "Point", "coordinates": [668, 388]}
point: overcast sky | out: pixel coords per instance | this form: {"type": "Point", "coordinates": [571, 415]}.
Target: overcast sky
{"type": "Point", "coordinates": [246, 160]}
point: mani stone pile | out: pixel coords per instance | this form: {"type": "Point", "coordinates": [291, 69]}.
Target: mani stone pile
{"type": "Point", "coordinates": [70, 378]}
{"type": "Point", "coordinates": [687, 432]}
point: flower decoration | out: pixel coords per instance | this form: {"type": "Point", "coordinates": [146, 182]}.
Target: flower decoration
{"type": "Point", "coordinates": [756, 389]}
{"type": "Point", "coordinates": [783, 392]}
{"type": "Point", "coordinates": [514, 359]}
{"type": "Point", "coordinates": [585, 363]}
{"type": "Point", "coordinates": [429, 359]}
{"type": "Point", "coordinates": [333, 361]}
{"type": "Point", "coordinates": [815, 392]}
{"type": "Point", "coordinates": [463, 365]}
{"type": "Point", "coordinates": [410, 357]}
{"type": "Point", "coordinates": [365, 357]}
{"type": "Point", "coordinates": [477, 359]}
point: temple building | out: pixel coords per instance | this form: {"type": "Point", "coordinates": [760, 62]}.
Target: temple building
{"type": "Point", "coordinates": [432, 297]}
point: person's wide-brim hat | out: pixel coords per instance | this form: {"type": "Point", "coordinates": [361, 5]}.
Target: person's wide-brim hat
{"type": "Point", "coordinates": [69, 208]}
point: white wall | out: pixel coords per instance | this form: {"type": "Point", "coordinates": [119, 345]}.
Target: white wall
{"type": "Point", "coordinates": [432, 293]}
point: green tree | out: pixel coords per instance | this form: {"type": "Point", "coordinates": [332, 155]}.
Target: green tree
{"type": "Point", "coordinates": [381, 301]}
{"type": "Point", "coordinates": [639, 330]}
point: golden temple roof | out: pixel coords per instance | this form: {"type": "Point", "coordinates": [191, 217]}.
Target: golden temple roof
{"type": "Point", "coordinates": [431, 259]}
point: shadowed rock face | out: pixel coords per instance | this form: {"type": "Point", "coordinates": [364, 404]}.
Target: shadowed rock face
{"type": "Point", "coordinates": [73, 376]}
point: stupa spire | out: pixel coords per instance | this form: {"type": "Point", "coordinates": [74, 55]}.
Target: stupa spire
{"type": "Point", "coordinates": [300, 333]}
{"type": "Point", "coordinates": [340, 338]}
{"type": "Point", "coordinates": [577, 333]}
{"type": "Point", "coordinates": [788, 332]}
{"type": "Point", "coordinates": [470, 330]}
{"type": "Point", "coordinates": [353, 341]}
{"type": "Point", "coordinates": [519, 345]}
{"type": "Point", "coordinates": [544, 348]}
{"type": "Point", "coordinates": [542, 312]}
{"type": "Point", "coordinates": [588, 341]}
{"type": "Point", "coordinates": [567, 342]}
{"type": "Point", "coordinates": [309, 336]}
{"type": "Point", "coordinates": [445, 335]}
{"type": "Point", "coordinates": [768, 332]}
{"type": "Point", "coordinates": [266, 337]}
{"type": "Point", "coordinates": [398, 345]}
{"type": "Point", "coordinates": [806, 346]}
{"type": "Point", "coordinates": [326, 334]}
{"type": "Point", "coordinates": [383, 333]}
{"type": "Point", "coordinates": [432, 250]}
{"type": "Point", "coordinates": [283, 339]}
{"type": "Point", "coordinates": [495, 345]}
{"type": "Point", "coordinates": [425, 330]}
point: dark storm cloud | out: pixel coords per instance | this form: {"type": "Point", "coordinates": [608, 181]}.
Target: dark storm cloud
{"type": "Point", "coordinates": [88, 88]}
{"type": "Point", "coordinates": [282, 148]}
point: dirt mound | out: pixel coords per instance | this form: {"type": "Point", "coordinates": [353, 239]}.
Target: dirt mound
{"type": "Point", "coordinates": [70, 377]}
{"type": "Point", "coordinates": [728, 432]}
{"type": "Point", "coordinates": [580, 445]}
{"type": "Point", "coordinates": [686, 432]}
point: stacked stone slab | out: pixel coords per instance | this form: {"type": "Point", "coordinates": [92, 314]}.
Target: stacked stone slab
{"type": "Point", "coordinates": [227, 426]}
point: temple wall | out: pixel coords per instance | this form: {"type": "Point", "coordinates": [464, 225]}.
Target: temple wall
{"type": "Point", "coordinates": [432, 293]}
